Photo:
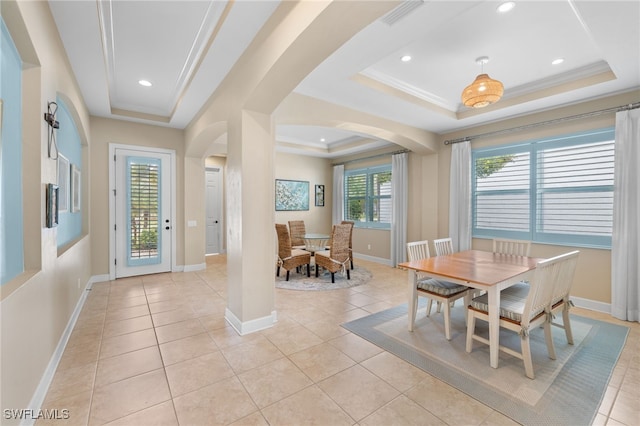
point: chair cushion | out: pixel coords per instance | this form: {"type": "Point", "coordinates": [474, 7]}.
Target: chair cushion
{"type": "Point", "coordinates": [512, 300]}
{"type": "Point", "coordinates": [443, 288]}
{"type": "Point", "coordinates": [298, 252]}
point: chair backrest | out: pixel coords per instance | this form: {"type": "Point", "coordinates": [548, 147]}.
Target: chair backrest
{"type": "Point", "coordinates": [284, 241]}
{"type": "Point", "coordinates": [549, 275]}
{"type": "Point", "coordinates": [352, 223]}
{"type": "Point", "coordinates": [443, 246]}
{"type": "Point", "coordinates": [512, 247]}
{"type": "Point", "coordinates": [565, 280]}
{"type": "Point", "coordinates": [297, 231]}
{"type": "Point", "coordinates": [417, 250]}
{"type": "Point", "coordinates": [340, 242]}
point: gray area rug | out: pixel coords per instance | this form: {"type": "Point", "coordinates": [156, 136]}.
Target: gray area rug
{"type": "Point", "coordinates": [566, 391]}
{"type": "Point", "coordinates": [300, 281]}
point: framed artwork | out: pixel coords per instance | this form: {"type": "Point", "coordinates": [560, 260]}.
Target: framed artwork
{"type": "Point", "coordinates": [75, 189]}
{"type": "Point", "coordinates": [63, 183]}
{"type": "Point", "coordinates": [292, 195]}
{"type": "Point", "coordinates": [320, 195]}
{"type": "Point", "coordinates": [52, 200]}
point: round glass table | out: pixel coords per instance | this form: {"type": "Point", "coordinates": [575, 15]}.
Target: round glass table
{"type": "Point", "coordinates": [315, 242]}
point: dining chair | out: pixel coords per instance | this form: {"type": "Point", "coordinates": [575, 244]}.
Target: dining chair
{"type": "Point", "coordinates": [352, 223]}
{"type": "Point", "coordinates": [337, 257]}
{"type": "Point", "coordinates": [512, 247]}
{"type": "Point", "coordinates": [288, 257]}
{"type": "Point", "coordinates": [443, 246]}
{"type": "Point", "coordinates": [524, 307]}
{"type": "Point", "coordinates": [561, 301]}
{"type": "Point", "coordinates": [443, 292]}
{"type": "Point", "coordinates": [297, 231]}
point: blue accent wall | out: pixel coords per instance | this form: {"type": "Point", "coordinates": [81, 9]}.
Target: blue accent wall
{"type": "Point", "coordinates": [68, 141]}
{"type": "Point", "coordinates": [12, 242]}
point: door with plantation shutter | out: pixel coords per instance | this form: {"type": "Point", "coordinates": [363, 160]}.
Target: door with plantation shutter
{"type": "Point", "coordinates": [143, 222]}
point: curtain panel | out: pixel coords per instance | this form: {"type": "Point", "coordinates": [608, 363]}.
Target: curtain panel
{"type": "Point", "coordinates": [460, 196]}
{"type": "Point", "coordinates": [625, 255]}
{"type": "Point", "coordinates": [337, 205]}
{"type": "Point", "coordinates": [399, 188]}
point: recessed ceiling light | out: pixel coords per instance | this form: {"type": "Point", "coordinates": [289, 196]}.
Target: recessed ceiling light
{"type": "Point", "coordinates": [557, 61]}
{"type": "Point", "coordinates": [144, 83]}
{"type": "Point", "coordinates": [405, 58]}
{"type": "Point", "coordinates": [506, 6]}
{"type": "Point", "coordinates": [322, 139]}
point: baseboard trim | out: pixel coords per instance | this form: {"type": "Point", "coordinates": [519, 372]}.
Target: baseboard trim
{"type": "Point", "coordinates": [592, 305]}
{"type": "Point", "coordinates": [252, 326]}
{"type": "Point", "coordinates": [47, 377]}
{"type": "Point", "coordinates": [379, 260]}
{"type": "Point", "coordinates": [193, 268]}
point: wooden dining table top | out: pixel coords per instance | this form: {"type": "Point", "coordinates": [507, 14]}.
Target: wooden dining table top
{"type": "Point", "coordinates": [475, 266]}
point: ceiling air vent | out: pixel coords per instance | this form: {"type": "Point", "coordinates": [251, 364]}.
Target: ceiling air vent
{"type": "Point", "coordinates": [401, 11]}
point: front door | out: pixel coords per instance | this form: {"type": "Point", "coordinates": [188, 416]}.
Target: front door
{"type": "Point", "coordinates": [143, 220]}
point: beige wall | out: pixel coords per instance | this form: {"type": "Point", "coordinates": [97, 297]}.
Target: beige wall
{"type": "Point", "coordinates": [103, 132]}
{"type": "Point", "coordinates": [36, 306]}
{"type": "Point", "coordinates": [593, 276]}
{"type": "Point", "coordinates": [316, 171]}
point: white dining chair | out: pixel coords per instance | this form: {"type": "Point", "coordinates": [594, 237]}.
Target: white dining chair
{"type": "Point", "coordinates": [561, 301]}
{"type": "Point", "coordinates": [525, 307]}
{"type": "Point", "coordinates": [512, 247]}
{"type": "Point", "coordinates": [443, 292]}
{"type": "Point", "coordinates": [443, 246]}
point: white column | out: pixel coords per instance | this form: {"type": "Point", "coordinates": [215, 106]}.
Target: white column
{"type": "Point", "coordinates": [250, 222]}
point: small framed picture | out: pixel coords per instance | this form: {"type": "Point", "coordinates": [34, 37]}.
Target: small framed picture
{"type": "Point", "coordinates": [63, 183]}
{"type": "Point", "coordinates": [320, 195]}
{"type": "Point", "coordinates": [52, 200]}
{"type": "Point", "coordinates": [75, 189]}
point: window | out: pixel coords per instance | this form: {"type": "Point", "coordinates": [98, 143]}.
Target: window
{"type": "Point", "coordinates": [555, 191]}
{"type": "Point", "coordinates": [367, 197]}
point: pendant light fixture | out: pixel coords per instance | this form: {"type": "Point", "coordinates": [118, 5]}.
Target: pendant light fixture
{"type": "Point", "coordinates": [484, 90]}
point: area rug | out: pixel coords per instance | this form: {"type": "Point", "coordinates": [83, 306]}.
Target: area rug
{"type": "Point", "coordinates": [566, 391]}
{"type": "Point", "coordinates": [300, 281]}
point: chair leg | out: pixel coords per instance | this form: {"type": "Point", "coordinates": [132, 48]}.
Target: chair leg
{"type": "Point", "coordinates": [526, 357]}
{"type": "Point", "coordinates": [317, 267]}
{"type": "Point", "coordinates": [471, 328]}
{"type": "Point", "coordinates": [548, 337]}
{"type": "Point", "coordinates": [467, 302]}
{"type": "Point", "coordinates": [429, 307]}
{"type": "Point", "coordinates": [278, 271]}
{"type": "Point", "coordinates": [567, 325]}
{"type": "Point", "coordinates": [348, 275]}
{"type": "Point", "coordinates": [352, 263]}
{"type": "Point", "coordinates": [333, 278]}
{"type": "Point", "coordinates": [308, 269]}
{"type": "Point", "coordinates": [287, 275]}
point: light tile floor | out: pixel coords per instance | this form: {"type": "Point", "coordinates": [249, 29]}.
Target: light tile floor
{"type": "Point", "coordinates": [156, 350]}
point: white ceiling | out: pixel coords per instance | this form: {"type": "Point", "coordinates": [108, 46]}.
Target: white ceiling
{"type": "Point", "coordinates": [186, 48]}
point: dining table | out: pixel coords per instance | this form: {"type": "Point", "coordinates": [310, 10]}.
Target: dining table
{"type": "Point", "coordinates": [314, 242]}
{"type": "Point", "coordinates": [482, 270]}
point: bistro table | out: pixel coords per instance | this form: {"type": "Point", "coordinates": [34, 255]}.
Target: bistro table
{"type": "Point", "coordinates": [491, 272]}
{"type": "Point", "coordinates": [315, 242]}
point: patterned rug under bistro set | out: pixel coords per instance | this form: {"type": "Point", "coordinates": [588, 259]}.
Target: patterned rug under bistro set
{"type": "Point", "coordinates": [300, 281]}
{"type": "Point", "coordinates": [565, 391]}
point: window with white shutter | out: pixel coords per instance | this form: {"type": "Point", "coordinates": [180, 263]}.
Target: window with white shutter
{"type": "Point", "coordinates": [555, 191]}
{"type": "Point", "coordinates": [367, 196]}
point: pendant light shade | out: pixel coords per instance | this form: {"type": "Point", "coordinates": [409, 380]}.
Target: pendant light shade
{"type": "Point", "coordinates": [483, 91]}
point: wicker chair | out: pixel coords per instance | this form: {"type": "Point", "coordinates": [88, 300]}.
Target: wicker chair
{"type": "Point", "coordinates": [352, 223]}
{"type": "Point", "coordinates": [297, 231]}
{"type": "Point", "coordinates": [289, 258]}
{"type": "Point", "coordinates": [338, 256]}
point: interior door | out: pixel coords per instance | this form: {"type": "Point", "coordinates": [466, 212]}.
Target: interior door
{"type": "Point", "coordinates": [142, 212]}
{"type": "Point", "coordinates": [213, 211]}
